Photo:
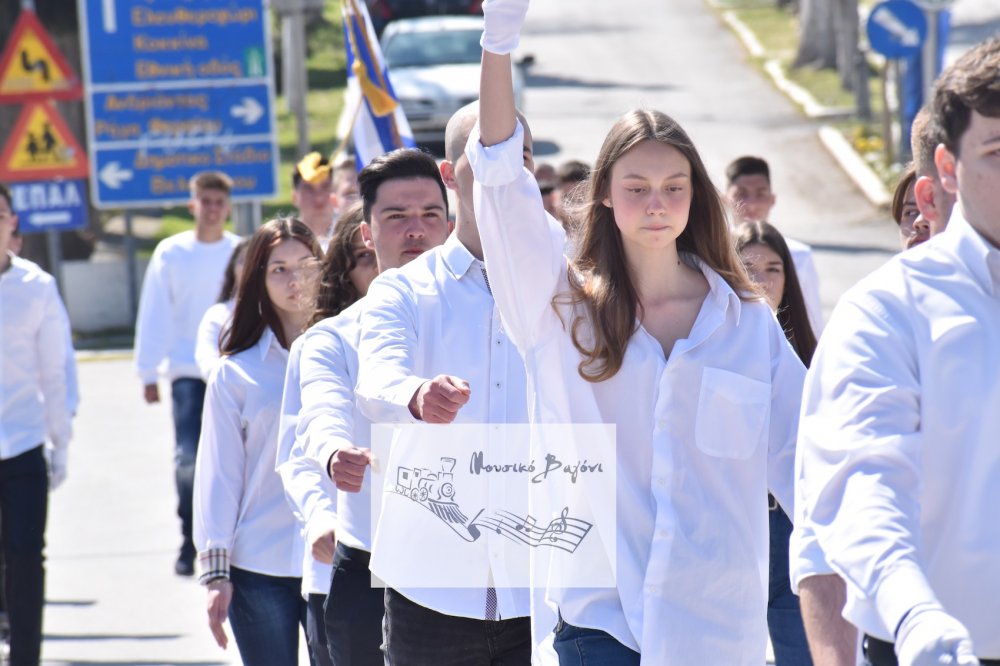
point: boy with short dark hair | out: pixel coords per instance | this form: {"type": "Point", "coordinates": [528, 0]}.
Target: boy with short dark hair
{"type": "Point", "coordinates": [748, 189]}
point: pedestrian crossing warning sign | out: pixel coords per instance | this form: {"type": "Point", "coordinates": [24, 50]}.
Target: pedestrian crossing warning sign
{"type": "Point", "coordinates": [32, 67]}
{"type": "Point", "coordinates": [41, 146]}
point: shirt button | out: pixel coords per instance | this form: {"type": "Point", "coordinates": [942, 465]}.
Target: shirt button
{"type": "Point", "coordinates": [498, 384]}
{"type": "Point", "coordinates": [499, 342]}
{"type": "Point", "coordinates": [652, 589]}
{"type": "Point", "coordinates": [661, 534]}
{"type": "Point", "coordinates": [660, 481]}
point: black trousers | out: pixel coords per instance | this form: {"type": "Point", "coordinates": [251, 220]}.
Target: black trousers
{"type": "Point", "coordinates": [353, 612]}
{"type": "Point", "coordinates": [24, 501]}
{"type": "Point", "coordinates": [418, 636]}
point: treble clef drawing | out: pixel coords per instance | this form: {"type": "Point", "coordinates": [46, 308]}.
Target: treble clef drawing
{"type": "Point", "coordinates": [558, 525]}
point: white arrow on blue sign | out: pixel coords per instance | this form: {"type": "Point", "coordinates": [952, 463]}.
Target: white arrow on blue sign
{"type": "Point", "coordinates": [56, 205]}
{"type": "Point", "coordinates": [897, 28]}
{"type": "Point", "coordinates": [175, 87]}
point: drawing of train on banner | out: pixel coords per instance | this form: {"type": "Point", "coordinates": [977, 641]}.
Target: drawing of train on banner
{"type": "Point", "coordinates": [435, 491]}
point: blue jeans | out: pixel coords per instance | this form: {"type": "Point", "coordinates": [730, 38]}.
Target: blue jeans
{"type": "Point", "coordinates": [188, 398]}
{"type": "Point", "coordinates": [579, 646]}
{"type": "Point", "coordinates": [354, 611]}
{"type": "Point", "coordinates": [265, 614]}
{"type": "Point", "coordinates": [24, 498]}
{"type": "Point", "coordinates": [418, 636]}
{"type": "Point", "coordinates": [784, 617]}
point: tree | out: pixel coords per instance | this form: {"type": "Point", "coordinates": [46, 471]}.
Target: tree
{"type": "Point", "coordinates": [829, 37]}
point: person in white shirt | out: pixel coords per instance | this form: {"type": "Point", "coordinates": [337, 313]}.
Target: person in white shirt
{"type": "Point", "coordinates": [656, 328]}
{"type": "Point", "coordinates": [33, 410]}
{"type": "Point", "coordinates": [330, 433]}
{"type": "Point", "coordinates": [898, 465]}
{"type": "Point", "coordinates": [751, 199]}
{"type": "Point", "coordinates": [348, 268]}
{"type": "Point", "coordinates": [769, 262]}
{"type": "Point", "coordinates": [216, 319]}
{"type": "Point", "coordinates": [249, 546]}
{"type": "Point", "coordinates": [72, 382]}
{"type": "Point", "coordinates": [181, 282]}
{"type": "Point", "coordinates": [433, 349]}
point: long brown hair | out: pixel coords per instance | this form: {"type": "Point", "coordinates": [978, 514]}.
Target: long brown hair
{"type": "Point", "coordinates": [792, 313]}
{"type": "Point", "coordinates": [228, 291]}
{"type": "Point", "coordinates": [335, 291]}
{"type": "Point", "coordinates": [600, 278]}
{"type": "Point", "coordinates": [254, 310]}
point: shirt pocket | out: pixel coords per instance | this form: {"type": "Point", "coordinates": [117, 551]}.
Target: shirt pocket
{"type": "Point", "coordinates": [733, 414]}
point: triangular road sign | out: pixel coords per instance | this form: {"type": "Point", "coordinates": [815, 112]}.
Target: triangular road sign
{"type": "Point", "coordinates": [41, 146]}
{"type": "Point", "coordinates": [32, 67]}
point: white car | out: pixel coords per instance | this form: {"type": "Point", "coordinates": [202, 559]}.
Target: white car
{"type": "Point", "coordinates": [434, 68]}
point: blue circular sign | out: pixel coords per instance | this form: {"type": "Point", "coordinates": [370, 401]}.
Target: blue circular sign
{"type": "Point", "coordinates": [897, 28]}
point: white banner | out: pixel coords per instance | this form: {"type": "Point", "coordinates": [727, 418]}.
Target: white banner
{"type": "Point", "coordinates": [472, 505]}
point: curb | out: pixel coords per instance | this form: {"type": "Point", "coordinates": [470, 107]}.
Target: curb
{"type": "Point", "coordinates": [855, 166]}
{"type": "Point", "coordinates": [836, 144]}
{"type": "Point", "coordinates": [88, 356]}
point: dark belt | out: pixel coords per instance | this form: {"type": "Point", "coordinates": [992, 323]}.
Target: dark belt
{"type": "Point", "coordinates": [355, 556]}
{"type": "Point", "coordinates": [883, 653]}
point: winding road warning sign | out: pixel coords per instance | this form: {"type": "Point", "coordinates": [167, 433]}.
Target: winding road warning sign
{"type": "Point", "coordinates": [41, 146]}
{"type": "Point", "coordinates": [32, 67]}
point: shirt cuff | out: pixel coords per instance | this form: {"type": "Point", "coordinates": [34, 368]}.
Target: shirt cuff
{"type": "Point", "coordinates": [806, 558]}
{"type": "Point", "coordinates": [149, 376]}
{"type": "Point", "coordinates": [326, 450]}
{"type": "Point", "coordinates": [496, 165]}
{"type": "Point", "coordinates": [903, 587]}
{"type": "Point", "coordinates": [214, 565]}
{"type": "Point", "coordinates": [401, 400]}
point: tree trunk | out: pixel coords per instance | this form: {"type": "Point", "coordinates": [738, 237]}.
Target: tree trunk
{"type": "Point", "coordinates": [847, 41]}
{"type": "Point", "coordinates": [817, 42]}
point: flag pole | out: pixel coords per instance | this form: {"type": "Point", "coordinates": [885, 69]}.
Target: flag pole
{"type": "Point", "coordinates": [342, 146]}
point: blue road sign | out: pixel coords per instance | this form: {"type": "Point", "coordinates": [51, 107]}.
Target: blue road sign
{"type": "Point", "coordinates": [175, 87]}
{"type": "Point", "coordinates": [897, 28]}
{"type": "Point", "coordinates": [58, 205]}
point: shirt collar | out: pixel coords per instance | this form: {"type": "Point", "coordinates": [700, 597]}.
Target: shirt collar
{"type": "Point", "coordinates": [269, 340]}
{"type": "Point", "coordinates": [980, 258]}
{"type": "Point", "coordinates": [457, 258]}
{"type": "Point", "coordinates": [721, 294]}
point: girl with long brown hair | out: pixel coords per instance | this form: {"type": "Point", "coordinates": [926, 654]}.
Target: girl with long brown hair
{"type": "Point", "coordinates": [656, 328]}
{"type": "Point", "coordinates": [249, 547]}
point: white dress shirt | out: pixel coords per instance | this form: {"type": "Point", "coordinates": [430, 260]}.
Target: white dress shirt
{"type": "Point", "coordinates": [33, 390]}
{"type": "Point", "coordinates": [239, 501]}
{"type": "Point", "coordinates": [436, 316]}
{"type": "Point", "coordinates": [899, 451]}
{"type": "Point", "coordinates": [310, 492]}
{"type": "Point", "coordinates": [206, 344]}
{"type": "Point", "coordinates": [701, 437]}
{"type": "Point", "coordinates": [182, 281]}
{"type": "Point", "coordinates": [330, 419]}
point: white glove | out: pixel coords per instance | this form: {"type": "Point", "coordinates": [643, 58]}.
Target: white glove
{"type": "Point", "coordinates": [502, 30]}
{"type": "Point", "coordinates": [928, 636]}
{"type": "Point", "coordinates": [57, 466]}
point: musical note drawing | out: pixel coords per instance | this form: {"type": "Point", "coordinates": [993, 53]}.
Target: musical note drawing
{"type": "Point", "coordinates": [435, 491]}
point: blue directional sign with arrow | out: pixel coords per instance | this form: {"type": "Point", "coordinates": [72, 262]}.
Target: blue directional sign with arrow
{"type": "Point", "coordinates": [175, 87]}
{"type": "Point", "coordinates": [897, 28]}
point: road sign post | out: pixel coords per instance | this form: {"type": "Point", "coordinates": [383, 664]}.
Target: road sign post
{"type": "Point", "coordinates": [174, 88]}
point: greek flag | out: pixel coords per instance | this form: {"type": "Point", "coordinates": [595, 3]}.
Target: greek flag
{"type": "Point", "coordinates": [377, 122]}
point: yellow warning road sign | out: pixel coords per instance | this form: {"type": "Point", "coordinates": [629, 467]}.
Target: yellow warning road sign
{"type": "Point", "coordinates": [31, 66]}
{"type": "Point", "coordinates": [41, 146]}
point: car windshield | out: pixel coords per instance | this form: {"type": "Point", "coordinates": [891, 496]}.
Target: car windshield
{"type": "Point", "coordinates": [423, 49]}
